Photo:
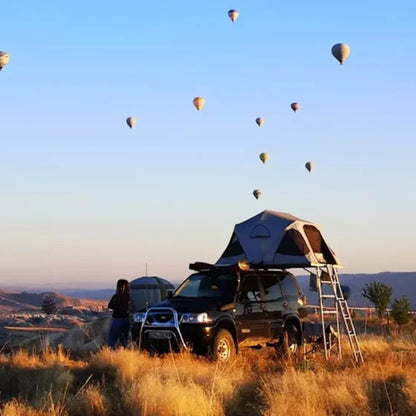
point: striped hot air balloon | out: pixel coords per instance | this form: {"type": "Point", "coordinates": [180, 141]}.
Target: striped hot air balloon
{"type": "Point", "coordinates": [4, 59]}
{"type": "Point", "coordinates": [257, 193]}
{"type": "Point", "coordinates": [199, 103]}
{"type": "Point", "coordinates": [233, 14]}
{"type": "Point", "coordinates": [341, 51]}
{"type": "Point", "coordinates": [295, 106]}
{"type": "Point", "coordinates": [264, 157]}
{"type": "Point", "coordinates": [131, 121]}
{"type": "Point", "coordinates": [48, 303]}
{"type": "Point", "coordinates": [260, 121]}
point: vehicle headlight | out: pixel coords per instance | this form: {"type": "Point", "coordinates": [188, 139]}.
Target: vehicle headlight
{"type": "Point", "coordinates": [139, 316]}
{"type": "Point", "coordinates": [195, 318]}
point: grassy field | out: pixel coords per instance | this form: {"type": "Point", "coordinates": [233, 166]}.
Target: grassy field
{"type": "Point", "coordinates": [127, 382]}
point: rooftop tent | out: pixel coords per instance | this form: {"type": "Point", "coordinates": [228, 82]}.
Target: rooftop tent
{"type": "Point", "coordinates": [149, 290]}
{"type": "Point", "coordinates": [277, 240]}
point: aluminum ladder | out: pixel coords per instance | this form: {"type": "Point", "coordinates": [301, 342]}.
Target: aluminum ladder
{"type": "Point", "coordinates": [340, 308]}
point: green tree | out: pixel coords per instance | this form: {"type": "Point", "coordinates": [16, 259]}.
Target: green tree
{"type": "Point", "coordinates": [379, 295]}
{"type": "Point", "coordinates": [400, 311]}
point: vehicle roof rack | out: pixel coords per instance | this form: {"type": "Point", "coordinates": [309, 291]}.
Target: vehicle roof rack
{"type": "Point", "coordinates": [200, 266]}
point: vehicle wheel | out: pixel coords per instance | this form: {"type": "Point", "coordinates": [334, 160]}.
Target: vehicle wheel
{"type": "Point", "coordinates": [223, 346]}
{"type": "Point", "coordinates": [289, 344]}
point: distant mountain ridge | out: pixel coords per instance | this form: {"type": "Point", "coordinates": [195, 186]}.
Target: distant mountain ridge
{"type": "Point", "coordinates": [402, 283]}
{"type": "Point", "coordinates": [15, 300]}
{"type": "Point", "coordinates": [35, 299]}
{"type": "Point", "coordinates": [98, 294]}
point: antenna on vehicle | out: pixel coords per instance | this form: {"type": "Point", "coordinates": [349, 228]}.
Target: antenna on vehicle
{"type": "Point", "coordinates": [147, 288]}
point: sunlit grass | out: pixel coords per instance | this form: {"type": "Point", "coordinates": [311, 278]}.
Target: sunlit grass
{"type": "Point", "coordinates": [134, 383]}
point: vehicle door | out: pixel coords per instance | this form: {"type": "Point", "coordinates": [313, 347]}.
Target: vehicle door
{"type": "Point", "coordinates": [251, 315]}
{"type": "Point", "coordinates": [274, 303]}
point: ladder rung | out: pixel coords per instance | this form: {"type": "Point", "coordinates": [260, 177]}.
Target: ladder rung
{"type": "Point", "coordinates": [342, 308]}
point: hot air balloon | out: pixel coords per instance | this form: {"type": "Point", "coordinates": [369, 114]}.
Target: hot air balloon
{"type": "Point", "coordinates": [233, 14]}
{"type": "Point", "coordinates": [264, 157]}
{"type": "Point", "coordinates": [131, 121]}
{"type": "Point", "coordinates": [309, 166]}
{"type": "Point", "coordinates": [341, 52]}
{"type": "Point", "coordinates": [257, 193]}
{"type": "Point", "coordinates": [4, 59]}
{"type": "Point", "coordinates": [199, 102]}
{"type": "Point", "coordinates": [295, 106]}
{"type": "Point", "coordinates": [260, 121]}
{"type": "Point", "coordinates": [48, 303]}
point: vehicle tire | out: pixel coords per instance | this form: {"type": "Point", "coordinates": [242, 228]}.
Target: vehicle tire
{"type": "Point", "coordinates": [289, 345]}
{"type": "Point", "coordinates": [223, 346]}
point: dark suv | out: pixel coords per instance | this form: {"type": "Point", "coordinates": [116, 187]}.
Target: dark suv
{"type": "Point", "coordinates": [220, 309]}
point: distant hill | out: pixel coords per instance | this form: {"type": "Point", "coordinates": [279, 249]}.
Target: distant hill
{"type": "Point", "coordinates": [15, 300]}
{"type": "Point", "coordinates": [35, 299]}
{"type": "Point", "coordinates": [99, 294]}
{"type": "Point", "coordinates": [403, 283]}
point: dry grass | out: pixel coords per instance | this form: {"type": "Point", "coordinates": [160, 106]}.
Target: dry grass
{"type": "Point", "coordinates": [46, 358]}
{"type": "Point", "coordinates": [89, 401]}
{"type": "Point", "coordinates": [133, 383]}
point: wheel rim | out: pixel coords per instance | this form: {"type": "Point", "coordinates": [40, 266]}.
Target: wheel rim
{"type": "Point", "coordinates": [223, 350]}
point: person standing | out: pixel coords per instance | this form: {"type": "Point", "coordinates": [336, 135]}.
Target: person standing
{"type": "Point", "coordinates": [120, 304]}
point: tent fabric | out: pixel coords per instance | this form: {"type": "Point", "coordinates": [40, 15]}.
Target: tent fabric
{"type": "Point", "coordinates": [277, 240]}
{"type": "Point", "coordinates": [149, 290]}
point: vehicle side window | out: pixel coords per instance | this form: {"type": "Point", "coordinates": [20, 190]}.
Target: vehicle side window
{"type": "Point", "coordinates": [250, 291]}
{"type": "Point", "coordinates": [271, 287]}
{"type": "Point", "coordinates": [289, 287]}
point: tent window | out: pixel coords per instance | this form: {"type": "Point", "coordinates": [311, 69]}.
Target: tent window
{"type": "Point", "coordinates": [234, 248]}
{"type": "Point", "coordinates": [293, 244]}
{"type": "Point", "coordinates": [318, 243]}
{"type": "Point", "coordinates": [260, 231]}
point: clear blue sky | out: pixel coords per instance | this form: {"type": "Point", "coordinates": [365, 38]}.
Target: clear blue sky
{"type": "Point", "coordinates": [85, 199]}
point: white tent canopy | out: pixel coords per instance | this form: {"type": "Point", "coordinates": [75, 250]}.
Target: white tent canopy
{"type": "Point", "coordinates": [277, 240]}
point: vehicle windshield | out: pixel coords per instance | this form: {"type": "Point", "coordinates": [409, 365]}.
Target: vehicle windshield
{"type": "Point", "coordinates": [208, 285]}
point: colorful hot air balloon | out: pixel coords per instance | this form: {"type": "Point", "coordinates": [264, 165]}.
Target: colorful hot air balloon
{"type": "Point", "coordinates": [131, 121]}
{"type": "Point", "coordinates": [48, 303]}
{"type": "Point", "coordinates": [4, 59]}
{"type": "Point", "coordinates": [264, 157]}
{"type": "Point", "coordinates": [233, 14]}
{"type": "Point", "coordinates": [257, 193]}
{"type": "Point", "coordinates": [199, 102]}
{"type": "Point", "coordinates": [341, 52]}
{"type": "Point", "coordinates": [295, 106]}
{"type": "Point", "coordinates": [309, 166]}
{"type": "Point", "coordinates": [260, 121]}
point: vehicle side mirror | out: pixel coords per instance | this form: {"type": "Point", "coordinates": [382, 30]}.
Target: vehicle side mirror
{"type": "Point", "coordinates": [170, 293]}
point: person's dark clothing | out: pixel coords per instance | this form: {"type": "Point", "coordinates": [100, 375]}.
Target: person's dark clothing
{"type": "Point", "coordinates": [120, 325]}
{"type": "Point", "coordinates": [119, 331]}
{"type": "Point", "coordinates": [120, 304]}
